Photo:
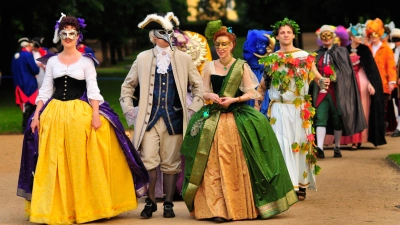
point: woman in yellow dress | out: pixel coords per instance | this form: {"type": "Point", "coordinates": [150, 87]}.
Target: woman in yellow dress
{"type": "Point", "coordinates": [86, 165]}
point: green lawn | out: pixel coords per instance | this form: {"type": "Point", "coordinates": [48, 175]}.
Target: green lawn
{"type": "Point", "coordinates": [395, 158]}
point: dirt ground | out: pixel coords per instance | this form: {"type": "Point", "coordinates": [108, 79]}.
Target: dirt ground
{"type": "Point", "coordinates": [360, 188]}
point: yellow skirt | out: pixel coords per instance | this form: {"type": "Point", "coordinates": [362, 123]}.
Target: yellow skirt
{"type": "Point", "coordinates": [82, 174]}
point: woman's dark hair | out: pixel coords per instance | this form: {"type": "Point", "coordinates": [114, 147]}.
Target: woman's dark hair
{"type": "Point", "coordinates": [69, 20]}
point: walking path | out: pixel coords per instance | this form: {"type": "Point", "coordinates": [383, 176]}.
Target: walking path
{"type": "Point", "coordinates": [360, 188]}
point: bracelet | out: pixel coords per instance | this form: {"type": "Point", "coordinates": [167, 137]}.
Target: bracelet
{"type": "Point", "coordinates": [96, 114]}
{"type": "Point", "coordinates": [35, 118]}
{"type": "Point", "coordinates": [239, 99]}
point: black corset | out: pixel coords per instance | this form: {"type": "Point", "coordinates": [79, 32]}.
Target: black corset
{"type": "Point", "coordinates": [68, 88]}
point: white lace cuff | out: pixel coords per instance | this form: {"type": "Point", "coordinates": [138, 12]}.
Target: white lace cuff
{"type": "Point", "coordinates": [131, 116]}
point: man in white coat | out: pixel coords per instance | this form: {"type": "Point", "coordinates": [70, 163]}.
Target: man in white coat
{"type": "Point", "coordinates": [161, 117]}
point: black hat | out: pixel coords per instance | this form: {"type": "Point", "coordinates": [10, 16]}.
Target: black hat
{"type": "Point", "coordinates": [37, 42]}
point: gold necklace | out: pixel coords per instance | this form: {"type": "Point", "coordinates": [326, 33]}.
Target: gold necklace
{"type": "Point", "coordinates": [225, 64]}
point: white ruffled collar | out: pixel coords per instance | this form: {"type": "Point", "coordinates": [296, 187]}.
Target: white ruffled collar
{"type": "Point", "coordinates": [163, 59]}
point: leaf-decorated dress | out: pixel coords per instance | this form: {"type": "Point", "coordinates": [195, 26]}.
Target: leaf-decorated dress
{"type": "Point", "coordinates": [291, 113]}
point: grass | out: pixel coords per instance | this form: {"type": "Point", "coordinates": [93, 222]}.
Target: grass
{"type": "Point", "coordinates": [395, 158]}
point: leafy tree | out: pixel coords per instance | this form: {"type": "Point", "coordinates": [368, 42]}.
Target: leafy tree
{"type": "Point", "coordinates": [211, 9]}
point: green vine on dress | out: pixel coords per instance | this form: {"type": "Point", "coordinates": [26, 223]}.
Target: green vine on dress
{"type": "Point", "coordinates": [298, 69]}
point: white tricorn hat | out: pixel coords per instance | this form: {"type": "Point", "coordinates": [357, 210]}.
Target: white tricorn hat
{"type": "Point", "coordinates": [395, 33]}
{"type": "Point", "coordinates": [24, 42]}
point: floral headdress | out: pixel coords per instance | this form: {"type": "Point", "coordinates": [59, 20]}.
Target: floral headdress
{"type": "Point", "coordinates": [56, 37]}
{"type": "Point", "coordinates": [285, 22]}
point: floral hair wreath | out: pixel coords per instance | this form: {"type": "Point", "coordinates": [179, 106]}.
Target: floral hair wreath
{"type": "Point", "coordinates": [284, 22]}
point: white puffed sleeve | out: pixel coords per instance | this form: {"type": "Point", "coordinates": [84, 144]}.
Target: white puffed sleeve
{"type": "Point", "coordinates": [93, 91]}
{"type": "Point", "coordinates": [46, 91]}
{"type": "Point", "coordinates": [249, 82]}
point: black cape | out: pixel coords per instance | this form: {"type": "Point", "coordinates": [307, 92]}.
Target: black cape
{"type": "Point", "coordinates": [376, 120]}
{"type": "Point", "coordinates": [347, 95]}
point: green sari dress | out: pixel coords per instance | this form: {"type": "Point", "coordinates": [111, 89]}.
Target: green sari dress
{"type": "Point", "coordinates": [271, 187]}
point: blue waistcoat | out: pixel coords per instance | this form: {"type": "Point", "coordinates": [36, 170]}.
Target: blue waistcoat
{"type": "Point", "coordinates": [166, 103]}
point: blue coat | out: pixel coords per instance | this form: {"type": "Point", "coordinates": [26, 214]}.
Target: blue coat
{"type": "Point", "coordinates": [24, 69]}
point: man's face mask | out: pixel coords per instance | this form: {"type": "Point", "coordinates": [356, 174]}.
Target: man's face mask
{"type": "Point", "coordinates": [71, 34]}
{"type": "Point", "coordinates": [165, 35]}
{"type": "Point", "coordinates": [325, 36]}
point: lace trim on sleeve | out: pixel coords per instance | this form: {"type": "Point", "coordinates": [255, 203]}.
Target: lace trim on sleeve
{"type": "Point", "coordinates": [249, 83]}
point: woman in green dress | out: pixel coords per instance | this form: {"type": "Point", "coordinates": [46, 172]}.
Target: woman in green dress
{"type": "Point", "coordinates": [234, 167]}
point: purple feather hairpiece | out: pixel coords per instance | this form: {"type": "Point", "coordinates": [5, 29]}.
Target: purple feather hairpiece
{"type": "Point", "coordinates": [82, 25]}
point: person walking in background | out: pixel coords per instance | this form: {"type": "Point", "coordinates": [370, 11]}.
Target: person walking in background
{"type": "Point", "coordinates": [384, 59]}
{"type": "Point", "coordinates": [241, 175]}
{"type": "Point", "coordinates": [258, 44]}
{"type": "Point", "coordinates": [24, 70]}
{"type": "Point", "coordinates": [290, 71]}
{"type": "Point", "coordinates": [371, 92]}
{"type": "Point", "coordinates": [395, 37]}
{"type": "Point", "coordinates": [39, 51]}
{"type": "Point", "coordinates": [161, 118]}
{"type": "Point", "coordinates": [82, 47]}
{"type": "Point", "coordinates": [86, 167]}
{"type": "Point", "coordinates": [338, 106]}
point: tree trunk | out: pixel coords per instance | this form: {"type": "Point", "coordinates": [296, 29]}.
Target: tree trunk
{"type": "Point", "coordinates": [104, 53]}
{"type": "Point", "coordinates": [120, 57]}
{"type": "Point", "coordinates": [112, 53]}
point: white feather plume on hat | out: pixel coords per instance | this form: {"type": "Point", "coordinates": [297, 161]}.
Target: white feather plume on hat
{"type": "Point", "coordinates": [56, 38]}
{"type": "Point", "coordinates": [156, 21]}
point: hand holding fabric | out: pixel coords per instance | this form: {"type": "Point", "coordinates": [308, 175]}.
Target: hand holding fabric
{"type": "Point", "coordinates": [96, 122]}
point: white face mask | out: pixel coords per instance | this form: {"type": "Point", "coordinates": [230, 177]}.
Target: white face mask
{"type": "Point", "coordinates": [71, 34]}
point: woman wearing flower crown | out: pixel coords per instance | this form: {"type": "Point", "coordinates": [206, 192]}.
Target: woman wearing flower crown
{"type": "Point", "coordinates": [86, 165]}
{"type": "Point", "coordinates": [234, 167]}
{"type": "Point", "coordinates": [291, 113]}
